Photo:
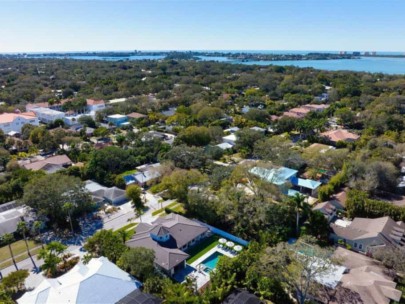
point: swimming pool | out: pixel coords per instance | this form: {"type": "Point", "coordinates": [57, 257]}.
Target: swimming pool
{"type": "Point", "coordinates": [211, 262]}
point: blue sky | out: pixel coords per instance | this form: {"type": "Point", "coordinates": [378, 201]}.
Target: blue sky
{"type": "Point", "coordinates": [79, 25]}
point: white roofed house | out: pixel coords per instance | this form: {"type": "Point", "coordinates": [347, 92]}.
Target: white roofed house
{"type": "Point", "coordinates": [230, 139]}
{"type": "Point", "coordinates": [11, 214]}
{"type": "Point", "coordinates": [99, 281]}
{"type": "Point", "coordinates": [47, 115]}
{"type": "Point", "coordinates": [13, 122]}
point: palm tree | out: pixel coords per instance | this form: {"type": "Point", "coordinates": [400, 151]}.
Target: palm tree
{"type": "Point", "coordinates": [37, 227]}
{"type": "Point", "coordinates": [23, 229]}
{"type": "Point", "coordinates": [51, 255]}
{"type": "Point", "coordinates": [68, 208]}
{"type": "Point", "coordinates": [124, 235]}
{"type": "Point", "coordinates": [300, 206]}
{"type": "Point", "coordinates": [8, 238]}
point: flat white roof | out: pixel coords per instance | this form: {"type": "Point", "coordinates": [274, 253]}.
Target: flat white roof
{"type": "Point", "coordinates": [342, 223]}
{"type": "Point", "coordinates": [117, 116]}
{"type": "Point", "coordinates": [230, 137]}
{"type": "Point", "coordinates": [47, 111]}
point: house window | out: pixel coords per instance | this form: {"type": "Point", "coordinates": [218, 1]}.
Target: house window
{"type": "Point", "coordinates": [355, 245]}
{"type": "Point", "coordinates": [360, 246]}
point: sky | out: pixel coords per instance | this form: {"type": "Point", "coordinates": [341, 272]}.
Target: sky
{"type": "Point", "coordinates": [100, 25]}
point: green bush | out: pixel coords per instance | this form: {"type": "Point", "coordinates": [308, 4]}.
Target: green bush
{"type": "Point", "coordinates": [325, 192]}
{"type": "Point", "coordinates": [157, 188]}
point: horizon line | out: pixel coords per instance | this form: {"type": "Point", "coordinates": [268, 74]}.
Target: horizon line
{"type": "Point", "coordinates": [192, 50]}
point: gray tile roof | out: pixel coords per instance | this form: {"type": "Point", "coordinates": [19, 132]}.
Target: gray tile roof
{"type": "Point", "coordinates": [113, 193]}
{"type": "Point", "coordinates": [383, 228]}
{"type": "Point", "coordinates": [168, 253]}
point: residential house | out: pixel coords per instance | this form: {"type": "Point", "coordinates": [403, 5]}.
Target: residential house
{"type": "Point", "coordinates": [225, 146]}
{"type": "Point", "coordinates": [164, 137]}
{"type": "Point", "coordinates": [169, 237]}
{"type": "Point", "coordinates": [287, 180]}
{"type": "Point", "coordinates": [136, 116]}
{"type": "Point", "coordinates": [47, 115]}
{"type": "Point", "coordinates": [94, 105]}
{"type": "Point", "coordinates": [230, 139]}
{"type": "Point", "coordinates": [13, 122]}
{"type": "Point", "coordinates": [117, 120]}
{"type": "Point", "coordinates": [240, 296]}
{"type": "Point", "coordinates": [306, 186]}
{"type": "Point", "coordinates": [139, 297]}
{"type": "Point", "coordinates": [99, 281]}
{"type": "Point", "coordinates": [102, 194]}
{"type": "Point", "coordinates": [364, 234]}
{"type": "Point", "coordinates": [115, 196]}
{"type": "Point", "coordinates": [232, 130]}
{"type": "Point", "coordinates": [301, 112]}
{"type": "Point", "coordinates": [327, 209]}
{"type": "Point", "coordinates": [49, 165]}
{"type": "Point", "coordinates": [367, 277]}
{"type": "Point", "coordinates": [145, 174]}
{"type": "Point", "coordinates": [258, 129]}
{"type": "Point", "coordinates": [335, 136]}
{"type": "Point", "coordinates": [10, 215]}
{"type": "Point", "coordinates": [169, 112]}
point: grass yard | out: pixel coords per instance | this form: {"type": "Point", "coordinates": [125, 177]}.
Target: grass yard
{"type": "Point", "coordinates": [201, 248]}
{"type": "Point", "coordinates": [170, 206]}
{"type": "Point", "coordinates": [178, 209]}
{"type": "Point", "coordinates": [19, 252]}
{"type": "Point", "coordinates": [128, 226]}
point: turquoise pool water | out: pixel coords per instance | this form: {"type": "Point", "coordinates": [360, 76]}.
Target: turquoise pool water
{"type": "Point", "coordinates": [211, 262]}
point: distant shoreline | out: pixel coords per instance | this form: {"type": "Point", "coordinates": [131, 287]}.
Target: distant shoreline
{"type": "Point", "coordinates": [240, 56]}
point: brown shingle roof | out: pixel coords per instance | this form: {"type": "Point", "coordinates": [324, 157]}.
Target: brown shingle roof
{"type": "Point", "coordinates": [340, 135]}
{"type": "Point", "coordinates": [61, 160]}
{"type": "Point", "coordinates": [92, 102]}
{"type": "Point", "coordinates": [367, 277]}
{"type": "Point", "coordinates": [136, 115]}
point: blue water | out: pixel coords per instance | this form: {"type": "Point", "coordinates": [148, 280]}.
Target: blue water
{"type": "Point", "coordinates": [364, 64]}
{"type": "Point", "coordinates": [212, 261]}
{"type": "Point", "coordinates": [105, 58]}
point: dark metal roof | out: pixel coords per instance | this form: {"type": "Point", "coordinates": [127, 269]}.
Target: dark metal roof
{"type": "Point", "coordinates": [138, 297]}
{"type": "Point", "coordinates": [242, 297]}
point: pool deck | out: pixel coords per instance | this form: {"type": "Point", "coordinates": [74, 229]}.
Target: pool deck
{"type": "Point", "coordinates": [216, 248]}
{"type": "Point", "coordinates": [201, 277]}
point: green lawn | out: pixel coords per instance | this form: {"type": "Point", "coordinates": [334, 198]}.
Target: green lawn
{"type": "Point", "coordinates": [19, 251]}
{"type": "Point", "coordinates": [128, 226]}
{"type": "Point", "coordinates": [171, 205]}
{"type": "Point", "coordinates": [178, 209]}
{"type": "Point", "coordinates": [201, 248]}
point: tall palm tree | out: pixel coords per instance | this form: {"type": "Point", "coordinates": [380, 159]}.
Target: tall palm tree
{"type": "Point", "coordinates": [8, 238]}
{"type": "Point", "coordinates": [301, 207]}
{"type": "Point", "coordinates": [69, 208]}
{"type": "Point", "coordinates": [37, 227]}
{"type": "Point", "coordinates": [124, 235]}
{"type": "Point", "coordinates": [23, 229]}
